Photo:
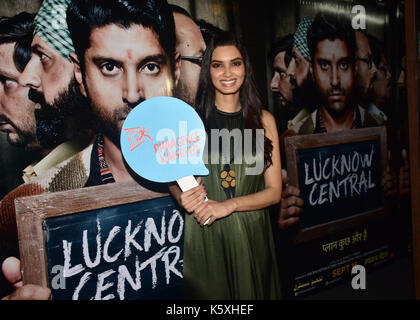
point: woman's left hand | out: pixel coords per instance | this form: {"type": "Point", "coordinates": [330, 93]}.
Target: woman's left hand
{"type": "Point", "coordinates": [214, 210]}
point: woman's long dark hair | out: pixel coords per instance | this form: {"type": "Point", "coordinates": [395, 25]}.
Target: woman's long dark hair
{"type": "Point", "coordinates": [249, 96]}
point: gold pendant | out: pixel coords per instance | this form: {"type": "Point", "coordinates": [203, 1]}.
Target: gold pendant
{"type": "Point", "coordinates": [228, 182]}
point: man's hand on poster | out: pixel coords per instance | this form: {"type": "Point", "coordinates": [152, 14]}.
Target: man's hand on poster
{"type": "Point", "coordinates": [290, 205]}
{"type": "Point", "coordinates": [12, 273]}
{"type": "Point", "coordinates": [404, 175]}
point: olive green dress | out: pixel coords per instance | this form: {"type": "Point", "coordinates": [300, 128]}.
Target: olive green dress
{"type": "Point", "coordinates": [234, 258]}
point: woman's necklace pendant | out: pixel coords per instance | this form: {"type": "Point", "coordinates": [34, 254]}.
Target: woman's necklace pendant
{"type": "Point", "coordinates": [228, 182]}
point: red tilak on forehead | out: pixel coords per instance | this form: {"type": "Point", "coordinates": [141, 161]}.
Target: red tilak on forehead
{"type": "Point", "coordinates": [129, 54]}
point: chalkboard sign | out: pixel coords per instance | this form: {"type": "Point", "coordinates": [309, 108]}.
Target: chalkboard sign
{"type": "Point", "coordinates": [117, 241]}
{"type": "Point", "coordinates": [339, 176]}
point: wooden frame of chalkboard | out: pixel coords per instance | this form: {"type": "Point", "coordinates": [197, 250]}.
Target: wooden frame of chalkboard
{"type": "Point", "coordinates": [294, 144]}
{"type": "Point", "coordinates": [31, 212]}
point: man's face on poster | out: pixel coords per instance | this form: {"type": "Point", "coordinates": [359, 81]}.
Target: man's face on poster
{"type": "Point", "coordinates": [191, 47]}
{"type": "Point", "coordinates": [298, 67]}
{"type": "Point", "coordinates": [17, 118]}
{"type": "Point", "coordinates": [48, 72]}
{"type": "Point", "coordinates": [280, 83]}
{"type": "Point", "coordinates": [123, 67]}
{"type": "Point", "coordinates": [366, 69]}
{"type": "Point", "coordinates": [50, 77]}
{"type": "Point", "coordinates": [381, 87]}
{"type": "Point", "coordinates": [333, 73]}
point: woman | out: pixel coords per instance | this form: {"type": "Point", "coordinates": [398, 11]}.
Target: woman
{"type": "Point", "coordinates": [229, 250]}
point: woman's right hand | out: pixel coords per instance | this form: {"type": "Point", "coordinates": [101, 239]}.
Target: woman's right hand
{"type": "Point", "coordinates": [193, 199]}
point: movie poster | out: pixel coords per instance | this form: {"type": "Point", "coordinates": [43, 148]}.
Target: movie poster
{"type": "Point", "coordinates": [345, 179]}
{"type": "Point", "coordinates": [329, 258]}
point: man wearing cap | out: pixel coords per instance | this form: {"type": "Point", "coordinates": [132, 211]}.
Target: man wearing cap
{"type": "Point", "coordinates": [332, 46]}
{"type": "Point", "coordinates": [59, 126]}
{"type": "Point", "coordinates": [115, 78]}
{"type": "Point", "coordinates": [280, 83]}
{"type": "Point", "coordinates": [299, 71]}
{"type": "Point", "coordinates": [63, 117]}
{"type": "Point", "coordinates": [62, 121]}
{"type": "Point", "coordinates": [17, 111]}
